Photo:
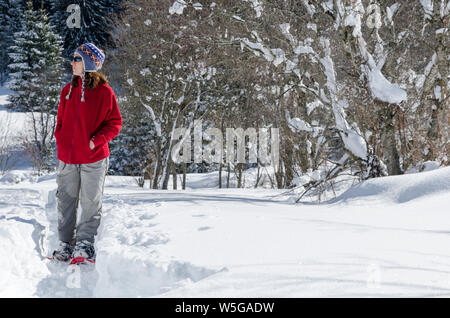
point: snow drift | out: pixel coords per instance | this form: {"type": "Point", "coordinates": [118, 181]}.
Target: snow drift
{"type": "Point", "coordinates": [399, 189]}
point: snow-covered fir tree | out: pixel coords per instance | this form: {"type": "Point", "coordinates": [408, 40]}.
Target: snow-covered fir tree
{"type": "Point", "coordinates": [5, 39]}
{"type": "Point", "coordinates": [11, 12]}
{"type": "Point", "coordinates": [130, 150]}
{"type": "Point", "coordinates": [36, 67]}
{"type": "Point", "coordinates": [36, 80]}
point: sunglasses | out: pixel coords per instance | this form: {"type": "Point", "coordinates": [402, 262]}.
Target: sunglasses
{"type": "Point", "coordinates": [77, 59]}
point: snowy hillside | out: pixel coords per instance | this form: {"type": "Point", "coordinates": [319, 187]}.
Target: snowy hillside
{"type": "Point", "coordinates": [399, 189]}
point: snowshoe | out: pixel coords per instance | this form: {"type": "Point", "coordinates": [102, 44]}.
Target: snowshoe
{"type": "Point", "coordinates": [83, 253]}
{"type": "Point", "coordinates": [63, 253]}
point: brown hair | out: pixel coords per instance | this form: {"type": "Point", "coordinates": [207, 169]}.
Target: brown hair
{"type": "Point", "coordinates": [91, 80]}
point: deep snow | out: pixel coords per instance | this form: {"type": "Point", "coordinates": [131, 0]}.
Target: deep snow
{"type": "Point", "coordinates": [208, 242]}
{"type": "Point", "coordinates": [384, 237]}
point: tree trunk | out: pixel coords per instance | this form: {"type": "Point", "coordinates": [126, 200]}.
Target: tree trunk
{"type": "Point", "coordinates": [166, 172]}
{"type": "Point", "coordinates": [220, 175]}
{"type": "Point", "coordinates": [389, 144]}
{"type": "Point", "coordinates": [258, 176]}
{"type": "Point", "coordinates": [184, 175]}
{"type": "Point", "coordinates": [279, 174]}
{"type": "Point", "coordinates": [156, 172]}
{"type": "Point", "coordinates": [228, 175]}
{"type": "Point", "coordinates": [239, 169]}
{"type": "Point", "coordinates": [174, 175]}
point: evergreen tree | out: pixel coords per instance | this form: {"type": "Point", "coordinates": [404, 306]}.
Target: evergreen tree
{"type": "Point", "coordinates": [11, 12]}
{"type": "Point", "coordinates": [42, 4]}
{"type": "Point", "coordinates": [5, 40]}
{"type": "Point", "coordinates": [92, 25]}
{"type": "Point", "coordinates": [36, 67]}
{"type": "Point", "coordinates": [130, 151]}
{"type": "Point", "coordinates": [36, 80]}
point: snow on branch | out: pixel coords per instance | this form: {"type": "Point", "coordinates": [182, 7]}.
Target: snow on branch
{"type": "Point", "coordinates": [177, 7]}
{"type": "Point", "coordinates": [352, 138]}
{"type": "Point", "coordinates": [257, 6]}
{"type": "Point", "coordinates": [155, 121]}
{"type": "Point", "coordinates": [427, 7]}
{"type": "Point", "coordinates": [380, 87]}
{"type": "Point", "coordinates": [384, 90]}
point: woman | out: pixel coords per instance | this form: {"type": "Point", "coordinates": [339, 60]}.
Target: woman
{"type": "Point", "coordinates": [88, 118]}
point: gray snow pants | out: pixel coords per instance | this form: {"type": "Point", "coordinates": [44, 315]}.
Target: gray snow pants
{"type": "Point", "coordinates": [84, 183]}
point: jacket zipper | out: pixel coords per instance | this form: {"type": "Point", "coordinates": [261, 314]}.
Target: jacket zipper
{"type": "Point", "coordinates": [74, 127]}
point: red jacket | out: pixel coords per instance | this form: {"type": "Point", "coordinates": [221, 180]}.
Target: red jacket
{"type": "Point", "coordinates": [77, 122]}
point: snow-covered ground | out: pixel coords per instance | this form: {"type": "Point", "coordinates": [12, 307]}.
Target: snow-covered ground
{"type": "Point", "coordinates": [384, 237]}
